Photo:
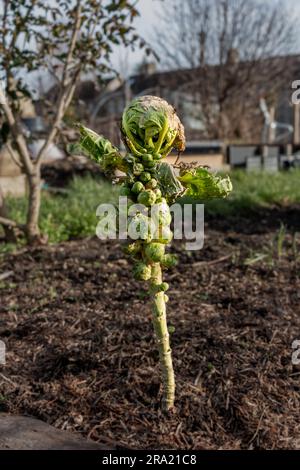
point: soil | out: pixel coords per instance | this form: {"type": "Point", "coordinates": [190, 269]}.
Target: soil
{"type": "Point", "coordinates": [59, 173]}
{"type": "Point", "coordinates": [81, 353]}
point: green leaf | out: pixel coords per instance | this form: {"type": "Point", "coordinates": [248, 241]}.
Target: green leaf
{"type": "Point", "coordinates": [169, 184]}
{"type": "Point", "coordinates": [101, 150]}
{"type": "Point", "coordinates": [200, 183]}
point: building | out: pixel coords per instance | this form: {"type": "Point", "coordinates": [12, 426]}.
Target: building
{"type": "Point", "coordinates": [213, 102]}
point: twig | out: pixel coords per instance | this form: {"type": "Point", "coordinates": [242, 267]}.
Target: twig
{"type": "Point", "coordinates": [12, 155]}
{"type": "Point", "coordinates": [210, 263]}
{"type": "Point", "coordinates": [6, 275]}
{"type": "Point", "coordinates": [10, 223]}
{"type": "Point", "coordinates": [258, 428]}
{"type": "Point", "coordinates": [178, 156]}
{"type": "Point", "coordinates": [8, 380]}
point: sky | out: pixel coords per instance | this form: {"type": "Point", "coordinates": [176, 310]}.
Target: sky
{"type": "Point", "coordinates": [125, 61]}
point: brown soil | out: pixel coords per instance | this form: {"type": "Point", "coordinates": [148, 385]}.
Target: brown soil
{"type": "Point", "coordinates": [59, 173]}
{"type": "Point", "coordinates": [81, 353]}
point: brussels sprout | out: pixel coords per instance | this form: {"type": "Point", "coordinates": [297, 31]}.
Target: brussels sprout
{"type": "Point", "coordinates": [151, 184]}
{"type": "Point", "coordinates": [147, 198]}
{"type": "Point", "coordinates": [161, 213]}
{"type": "Point", "coordinates": [138, 169]}
{"type": "Point", "coordinates": [125, 191]}
{"type": "Point", "coordinates": [150, 129]}
{"type": "Point", "coordinates": [142, 272]}
{"type": "Point", "coordinates": [157, 193]}
{"type": "Point", "coordinates": [145, 177]}
{"type": "Point", "coordinates": [132, 249]}
{"type": "Point", "coordinates": [137, 187]}
{"type": "Point", "coordinates": [150, 166]}
{"type": "Point", "coordinates": [163, 235]}
{"type": "Point", "coordinates": [155, 251]}
{"type": "Point", "coordinates": [164, 286]}
{"type": "Point", "coordinates": [141, 227]}
{"type": "Point", "coordinates": [169, 261]}
{"type": "Point", "coordinates": [147, 158]}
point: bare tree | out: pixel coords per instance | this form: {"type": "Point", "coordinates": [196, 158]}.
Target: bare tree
{"type": "Point", "coordinates": [228, 43]}
{"type": "Point", "coordinates": [66, 39]}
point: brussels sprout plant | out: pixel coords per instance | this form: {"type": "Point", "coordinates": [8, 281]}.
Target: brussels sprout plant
{"type": "Point", "coordinates": [150, 130]}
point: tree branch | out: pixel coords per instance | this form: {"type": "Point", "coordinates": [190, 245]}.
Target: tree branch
{"type": "Point", "coordinates": [72, 89]}
{"type": "Point", "coordinates": [13, 156]}
{"type": "Point", "coordinates": [63, 101]}
{"type": "Point", "coordinates": [10, 223]}
{"type": "Point", "coordinates": [16, 132]}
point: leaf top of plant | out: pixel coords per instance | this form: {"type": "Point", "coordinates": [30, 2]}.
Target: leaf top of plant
{"type": "Point", "coordinates": [151, 125]}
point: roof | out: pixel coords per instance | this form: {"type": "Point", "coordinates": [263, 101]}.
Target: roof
{"type": "Point", "coordinates": [288, 65]}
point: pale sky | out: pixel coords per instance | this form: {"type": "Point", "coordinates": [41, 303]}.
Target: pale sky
{"type": "Point", "coordinates": [125, 61]}
{"type": "Point", "coordinates": [124, 58]}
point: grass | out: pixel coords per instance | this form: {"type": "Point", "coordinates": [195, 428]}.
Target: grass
{"type": "Point", "coordinates": [281, 245]}
{"type": "Point", "coordinates": [73, 214]}
{"type": "Point", "coordinates": [255, 190]}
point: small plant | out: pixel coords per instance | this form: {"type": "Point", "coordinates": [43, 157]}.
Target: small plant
{"type": "Point", "coordinates": [279, 240]}
{"type": "Point", "coordinates": [150, 129]}
{"type": "Point", "coordinates": [272, 252]}
{"type": "Point", "coordinates": [295, 246]}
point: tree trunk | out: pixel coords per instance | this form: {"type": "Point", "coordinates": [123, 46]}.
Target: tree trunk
{"type": "Point", "coordinates": [34, 203]}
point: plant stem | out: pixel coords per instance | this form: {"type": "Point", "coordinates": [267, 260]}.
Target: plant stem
{"type": "Point", "coordinates": [159, 319]}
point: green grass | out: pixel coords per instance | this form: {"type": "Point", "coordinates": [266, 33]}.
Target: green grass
{"type": "Point", "coordinates": [73, 214]}
{"type": "Point", "coordinates": [256, 190]}
{"type": "Point", "coordinates": [70, 215]}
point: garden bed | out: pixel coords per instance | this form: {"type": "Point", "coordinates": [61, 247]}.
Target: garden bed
{"type": "Point", "coordinates": [81, 353]}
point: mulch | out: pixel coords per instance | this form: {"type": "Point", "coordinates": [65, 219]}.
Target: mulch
{"type": "Point", "coordinates": [81, 353]}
